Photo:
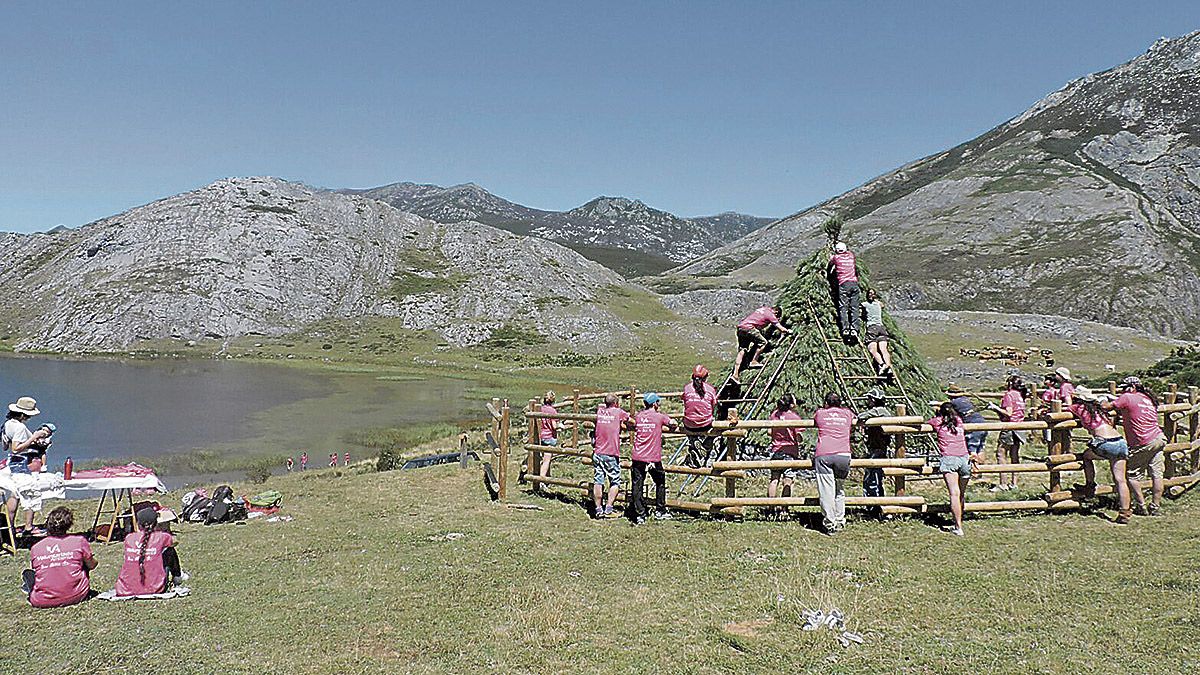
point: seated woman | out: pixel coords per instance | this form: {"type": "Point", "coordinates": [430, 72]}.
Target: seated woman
{"type": "Point", "coordinates": [151, 563]}
{"type": "Point", "coordinates": [60, 564]}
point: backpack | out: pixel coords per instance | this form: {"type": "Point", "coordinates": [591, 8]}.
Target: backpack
{"type": "Point", "coordinates": [195, 508]}
{"type": "Point", "coordinates": [223, 503]}
{"type": "Point", "coordinates": [270, 499]}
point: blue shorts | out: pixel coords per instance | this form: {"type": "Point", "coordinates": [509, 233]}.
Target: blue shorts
{"type": "Point", "coordinates": [975, 440]}
{"type": "Point", "coordinates": [958, 465]}
{"type": "Point", "coordinates": [606, 467]}
{"type": "Point", "coordinates": [1110, 448]}
{"type": "Point", "coordinates": [551, 442]}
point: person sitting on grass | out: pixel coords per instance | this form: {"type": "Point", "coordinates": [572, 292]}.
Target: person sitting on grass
{"type": "Point", "coordinates": [151, 563]}
{"type": "Point", "coordinates": [1138, 408]}
{"type": "Point", "coordinates": [59, 564]}
{"type": "Point", "coordinates": [699, 404]}
{"type": "Point", "coordinates": [877, 441]}
{"type": "Point", "coordinates": [956, 462]}
{"type": "Point", "coordinates": [648, 426]}
{"type": "Point", "coordinates": [1008, 448]}
{"type": "Point", "coordinates": [785, 446]}
{"type": "Point", "coordinates": [20, 445]}
{"type": "Point", "coordinates": [1105, 443]}
{"type": "Point", "coordinates": [844, 272]}
{"type": "Point", "coordinates": [547, 435]}
{"type": "Point", "coordinates": [751, 338]}
{"type": "Point", "coordinates": [877, 335]}
{"type": "Point", "coordinates": [606, 454]}
{"type": "Point", "coordinates": [831, 460]}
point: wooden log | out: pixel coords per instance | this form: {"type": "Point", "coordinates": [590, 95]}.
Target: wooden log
{"type": "Point", "coordinates": [901, 448]}
{"type": "Point", "coordinates": [912, 501]}
{"type": "Point", "coordinates": [1060, 444]}
{"type": "Point", "coordinates": [502, 464]}
{"type": "Point", "coordinates": [533, 459]}
{"type": "Point", "coordinates": [1194, 427]}
{"type": "Point", "coordinates": [901, 510]}
{"type": "Point", "coordinates": [898, 420]}
{"type": "Point", "coordinates": [1171, 427]}
{"type": "Point", "coordinates": [586, 486]}
{"type": "Point", "coordinates": [575, 427]}
{"type": "Point", "coordinates": [727, 465]}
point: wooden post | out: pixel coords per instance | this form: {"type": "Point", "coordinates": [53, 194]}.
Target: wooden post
{"type": "Point", "coordinates": [502, 465]}
{"type": "Point", "coordinates": [1170, 428]}
{"type": "Point", "coordinates": [1112, 387]}
{"type": "Point", "coordinates": [1060, 443]}
{"type": "Point", "coordinates": [1194, 427]}
{"type": "Point", "coordinates": [731, 453]}
{"type": "Point", "coordinates": [533, 458]}
{"type": "Point", "coordinates": [632, 396]}
{"type": "Point", "coordinates": [462, 450]}
{"type": "Point", "coordinates": [901, 411]}
{"type": "Point", "coordinates": [575, 424]}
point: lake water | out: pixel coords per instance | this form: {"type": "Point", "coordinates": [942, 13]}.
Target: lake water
{"type": "Point", "coordinates": [119, 409]}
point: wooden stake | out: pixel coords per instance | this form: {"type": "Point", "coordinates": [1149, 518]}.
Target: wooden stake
{"type": "Point", "coordinates": [1170, 426]}
{"type": "Point", "coordinates": [1060, 444]}
{"type": "Point", "coordinates": [575, 427]}
{"type": "Point", "coordinates": [901, 409]}
{"type": "Point", "coordinates": [1194, 427]}
{"type": "Point", "coordinates": [502, 465]}
{"type": "Point", "coordinates": [533, 458]}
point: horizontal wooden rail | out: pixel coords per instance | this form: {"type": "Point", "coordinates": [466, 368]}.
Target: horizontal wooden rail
{"type": "Point", "coordinates": [722, 502]}
{"type": "Point", "coordinates": [808, 463]}
{"type": "Point", "coordinates": [626, 463]}
{"type": "Point", "coordinates": [702, 507]}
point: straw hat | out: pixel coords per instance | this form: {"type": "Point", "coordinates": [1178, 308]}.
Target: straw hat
{"type": "Point", "coordinates": [1063, 373]}
{"type": "Point", "coordinates": [1085, 394]}
{"type": "Point", "coordinates": [25, 405]}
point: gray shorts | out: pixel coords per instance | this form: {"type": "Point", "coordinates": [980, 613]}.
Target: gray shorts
{"type": "Point", "coordinates": [877, 333]}
{"type": "Point", "coordinates": [606, 467]}
{"type": "Point", "coordinates": [955, 464]}
{"type": "Point", "coordinates": [788, 474]}
{"type": "Point", "coordinates": [1010, 438]}
{"type": "Point", "coordinates": [1148, 459]}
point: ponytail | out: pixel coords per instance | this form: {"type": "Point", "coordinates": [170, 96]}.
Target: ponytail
{"type": "Point", "coordinates": [698, 383]}
{"type": "Point", "coordinates": [1142, 389]}
{"type": "Point", "coordinates": [949, 416]}
{"type": "Point", "coordinates": [786, 402]}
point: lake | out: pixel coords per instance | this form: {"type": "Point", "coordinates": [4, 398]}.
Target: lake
{"type": "Point", "coordinates": [112, 409]}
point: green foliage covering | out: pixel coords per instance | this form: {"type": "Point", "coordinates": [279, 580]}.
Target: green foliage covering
{"type": "Point", "coordinates": [1181, 367]}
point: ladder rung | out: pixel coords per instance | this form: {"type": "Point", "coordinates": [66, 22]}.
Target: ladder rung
{"type": "Point", "coordinates": [861, 377]}
{"type": "Point", "coordinates": [737, 400]}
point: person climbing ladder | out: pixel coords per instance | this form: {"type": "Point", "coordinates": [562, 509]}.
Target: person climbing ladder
{"type": "Point", "coordinates": [751, 338]}
{"type": "Point", "coordinates": [843, 270]}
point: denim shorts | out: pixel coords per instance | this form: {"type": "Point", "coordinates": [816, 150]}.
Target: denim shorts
{"type": "Point", "coordinates": [606, 467]}
{"type": "Point", "coordinates": [550, 442]}
{"type": "Point", "coordinates": [954, 464]}
{"type": "Point", "coordinates": [789, 474]}
{"type": "Point", "coordinates": [1110, 448]}
{"type": "Point", "coordinates": [975, 441]}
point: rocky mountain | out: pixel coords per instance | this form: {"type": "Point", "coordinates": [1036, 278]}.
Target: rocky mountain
{"type": "Point", "coordinates": [625, 234]}
{"type": "Point", "coordinates": [1086, 205]}
{"type": "Point", "coordinates": [267, 256]}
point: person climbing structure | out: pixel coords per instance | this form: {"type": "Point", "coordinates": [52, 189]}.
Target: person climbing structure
{"type": "Point", "coordinates": [751, 338]}
{"type": "Point", "coordinates": [877, 335]}
{"type": "Point", "coordinates": [842, 269]}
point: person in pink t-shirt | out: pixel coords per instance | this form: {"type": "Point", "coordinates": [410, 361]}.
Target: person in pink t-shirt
{"type": "Point", "coordinates": [1008, 449]}
{"type": "Point", "coordinates": [831, 460]}
{"type": "Point", "coordinates": [785, 446]}
{"type": "Point", "coordinates": [547, 434]}
{"type": "Point", "coordinates": [151, 563]}
{"type": "Point", "coordinates": [956, 462]}
{"type": "Point", "coordinates": [1062, 380]}
{"type": "Point", "coordinates": [752, 337]}
{"type": "Point", "coordinates": [648, 427]}
{"type": "Point", "coordinates": [699, 405]}
{"type": "Point", "coordinates": [1105, 443]}
{"type": "Point", "coordinates": [1047, 398]}
{"type": "Point", "coordinates": [844, 273]}
{"type": "Point", "coordinates": [60, 564]}
{"type": "Point", "coordinates": [606, 454]}
{"type": "Point", "coordinates": [1138, 408]}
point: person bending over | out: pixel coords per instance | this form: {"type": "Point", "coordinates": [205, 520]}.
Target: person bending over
{"type": "Point", "coordinates": [785, 446]}
{"type": "Point", "coordinates": [956, 462]}
{"type": "Point", "coordinates": [699, 405]}
{"type": "Point", "coordinates": [1138, 408]}
{"type": "Point", "coordinates": [831, 460]}
{"type": "Point", "coordinates": [844, 271]}
{"type": "Point", "coordinates": [19, 445]}
{"type": "Point", "coordinates": [877, 335]}
{"type": "Point", "coordinates": [59, 564]}
{"type": "Point", "coordinates": [648, 426]}
{"type": "Point", "coordinates": [151, 562]}
{"type": "Point", "coordinates": [751, 338]}
{"type": "Point", "coordinates": [1105, 443]}
{"type": "Point", "coordinates": [606, 454]}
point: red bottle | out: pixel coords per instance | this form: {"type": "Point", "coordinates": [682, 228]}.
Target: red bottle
{"type": "Point", "coordinates": [67, 466]}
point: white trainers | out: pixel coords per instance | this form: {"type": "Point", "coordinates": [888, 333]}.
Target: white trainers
{"type": "Point", "coordinates": [957, 532]}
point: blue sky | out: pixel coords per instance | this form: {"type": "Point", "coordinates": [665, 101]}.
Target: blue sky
{"type": "Point", "coordinates": [694, 107]}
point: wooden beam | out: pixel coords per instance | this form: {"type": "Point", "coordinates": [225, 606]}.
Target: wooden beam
{"type": "Point", "coordinates": [815, 501]}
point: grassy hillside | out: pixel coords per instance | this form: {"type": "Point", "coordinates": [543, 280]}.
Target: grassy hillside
{"type": "Point", "coordinates": [366, 580]}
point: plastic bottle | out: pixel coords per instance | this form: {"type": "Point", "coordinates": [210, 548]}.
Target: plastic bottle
{"type": "Point", "coordinates": [67, 467]}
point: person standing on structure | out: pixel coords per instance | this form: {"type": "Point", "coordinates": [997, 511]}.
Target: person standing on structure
{"type": "Point", "coordinates": [699, 405]}
{"type": "Point", "coordinates": [877, 335]}
{"type": "Point", "coordinates": [752, 339]}
{"type": "Point", "coordinates": [844, 271]}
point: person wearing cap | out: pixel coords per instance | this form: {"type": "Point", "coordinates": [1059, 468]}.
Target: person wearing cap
{"type": "Point", "coordinates": [20, 445]}
{"type": "Point", "coordinates": [975, 439]}
{"type": "Point", "coordinates": [1008, 446]}
{"type": "Point", "coordinates": [785, 446]}
{"type": "Point", "coordinates": [1138, 408]}
{"type": "Point", "coordinates": [751, 337]}
{"type": "Point", "coordinates": [648, 427]}
{"type": "Point", "coordinates": [831, 460]}
{"type": "Point", "coordinates": [844, 272]}
{"type": "Point", "coordinates": [1062, 379]}
{"type": "Point", "coordinates": [877, 441]}
{"type": "Point", "coordinates": [1104, 443]}
{"type": "Point", "coordinates": [59, 564]}
{"type": "Point", "coordinates": [547, 435]}
{"type": "Point", "coordinates": [151, 563]}
{"type": "Point", "coordinates": [699, 405]}
{"type": "Point", "coordinates": [611, 418]}
{"type": "Point", "coordinates": [877, 335]}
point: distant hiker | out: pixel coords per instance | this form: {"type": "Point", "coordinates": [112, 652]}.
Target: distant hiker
{"type": "Point", "coordinates": [289, 463]}
{"type": "Point", "coordinates": [648, 426]}
{"type": "Point", "coordinates": [844, 271]}
{"type": "Point", "coordinates": [785, 447]}
{"type": "Point", "coordinates": [956, 461]}
{"type": "Point", "coordinates": [59, 564]}
{"type": "Point", "coordinates": [547, 434]}
{"type": "Point", "coordinates": [606, 454]}
{"type": "Point", "coordinates": [752, 339]}
{"type": "Point", "coordinates": [1065, 387]}
{"type": "Point", "coordinates": [304, 460]}
{"type": "Point", "coordinates": [1105, 443]}
{"type": "Point", "coordinates": [966, 410]}
{"type": "Point", "coordinates": [332, 460]}
{"type": "Point", "coordinates": [1138, 408]}
{"type": "Point", "coordinates": [877, 335]}
{"type": "Point", "coordinates": [1008, 447]}
{"type": "Point", "coordinates": [151, 563]}
{"type": "Point", "coordinates": [699, 404]}
{"type": "Point", "coordinates": [21, 446]}
{"type": "Point", "coordinates": [831, 460]}
{"type": "Point", "coordinates": [346, 459]}
{"type": "Point", "coordinates": [877, 441]}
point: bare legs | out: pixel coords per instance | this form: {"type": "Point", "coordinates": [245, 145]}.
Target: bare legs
{"type": "Point", "coordinates": [956, 486]}
{"type": "Point", "coordinates": [598, 494]}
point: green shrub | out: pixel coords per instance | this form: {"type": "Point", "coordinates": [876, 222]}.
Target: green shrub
{"type": "Point", "coordinates": [260, 470]}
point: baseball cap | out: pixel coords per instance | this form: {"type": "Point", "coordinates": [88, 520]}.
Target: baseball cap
{"type": "Point", "coordinates": [650, 398]}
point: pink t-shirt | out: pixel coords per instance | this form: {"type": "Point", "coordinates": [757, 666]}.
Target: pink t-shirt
{"type": "Point", "coordinates": [129, 579]}
{"type": "Point", "coordinates": [1064, 390]}
{"type": "Point", "coordinates": [608, 430]}
{"type": "Point", "coordinates": [1139, 418]}
{"type": "Point", "coordinates": [1013, 400]}
{"type": "Point", "coordinates": [784, 441]}
{"type": "Point", "coordinates": [759, 318]}
{"type": "Point", "coordinates": [950, 443]}
{"type": "Point", "coordinates": [698, 408]}
{"type": "Point", "coordinates": [833, 431]}
{"type": "Point", "coordinates": [59, 577]}
{"type": "Point", "coordinates": [1087, 419]}
{"type": "Point", "coordinates": [843, 264]}
{"type": "Point", "coordinates": [647, 435]}
{"type": "Point", "coordinates": [1050, 395]}
{"type": "Point", "coordinates": [547, 429]}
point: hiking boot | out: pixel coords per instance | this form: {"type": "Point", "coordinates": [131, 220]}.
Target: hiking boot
{"type": "Point", "coordinates": [663, 515]}
{"type": "Point", "coordinates": [1140, 510]}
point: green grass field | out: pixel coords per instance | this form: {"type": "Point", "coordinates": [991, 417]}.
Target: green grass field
{"type": "Point", "coordinates": [365, 579]}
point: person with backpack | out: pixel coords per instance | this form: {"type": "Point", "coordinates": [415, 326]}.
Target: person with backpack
{"type": "Point", "coordinates": [648, 427]}
{"type": "Point", "coordinates": [151, 563]}
{"type": "Point", "coordinates": [60, 564]}
{"type": "Point", "coordinates": [966, 410]}
{"type": "Point", "coordinates": [956, 460]}
{"type": "Point", "coordinates": [699, 407]}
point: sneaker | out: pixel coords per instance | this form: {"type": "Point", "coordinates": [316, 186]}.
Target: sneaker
{"type": "Point", "coordinates": [834, 529]}
{"type": "Point", "coordinates": [1123, 518]}
{"type": "Point", "coordinates": [609, 513]}
{"type": "Point", "coordinates": [1153, 510]}
{"type": "Point", "coordinates": [663, 515]}
{"type": "Point", "coordinates": [1140, 510]}
{"type": "Point", "coordinates": [640, 520]}
{"type": "Point", "coordinates": [957, 531]}
{"type": "Point", "coordinates": [997, 488]}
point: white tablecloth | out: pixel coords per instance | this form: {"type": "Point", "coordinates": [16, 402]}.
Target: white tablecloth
{"type": "Point", "coordinates": [32, 488]}
{"type": "Point", "coordinates": [150, 482]}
